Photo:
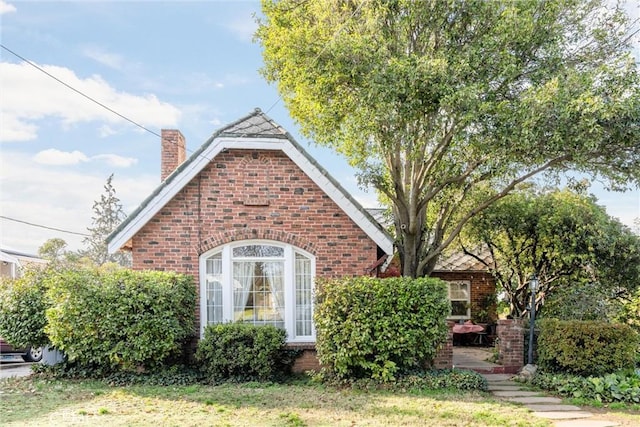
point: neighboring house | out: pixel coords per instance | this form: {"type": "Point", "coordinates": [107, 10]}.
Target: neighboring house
{"type": "Point", "coordinates": [255, 220]}
{"type": "Point", "coordinates": [13, 262]}
{"type": "Point", "coordinates": [472, 288]}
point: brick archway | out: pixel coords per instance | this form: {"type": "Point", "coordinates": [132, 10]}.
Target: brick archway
{"type": "Point", "coordinates": [224, 237]}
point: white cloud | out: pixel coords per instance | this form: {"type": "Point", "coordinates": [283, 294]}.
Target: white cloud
{"type": "Point", "coordinates": [60, 158]}
{"type": "Point", "coordinates": [29, 95]}
{"type": "Point", "coordinates": [111, 60]}
{"type": "Point", "coordinates": [56, 157]}
{"type": "Point", "coordinates": [244, 27]}
{"type": "Point", "coordinates": [56, 197]}
{"type": "Point", "coordinates": [115, 160]}
{"type": "Point", "coordinates": [6, 7]}
{"type": "Point", "coordinates": [105, 131]}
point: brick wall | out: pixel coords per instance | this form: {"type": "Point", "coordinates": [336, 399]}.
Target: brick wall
{"type": "Point", "coordinates": [511, 345]}
{"type": "Point", "coordinates": [444, 355]}
{"type": "Point", "coordinates": [482, 286]}
{"type": "Point", "coordinates": [243, 194]}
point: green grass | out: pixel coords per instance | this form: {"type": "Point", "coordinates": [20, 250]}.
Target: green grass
{"type": "Point", "coordinates": [34, 401]}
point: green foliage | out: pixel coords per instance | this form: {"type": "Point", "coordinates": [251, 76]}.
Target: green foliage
{"type": "Point", "coordinates": [621, 386]}
{"type": "Point", "coordinates": [586, 347]}
{"type": "Point", "coordinates": [110, 320]}
{"type": "Point", "coordinates": [243, 352]}
{"type": "Point", "coordinates": [445, 107]}
{"type": "Point", "coordinates": [630, 311]}
{"type": "Point", "coordinates": [22, 310]}
{"type": "Point", "coordinates": [585, 260]}
{"type": "Point", "coordinates": [376, 328]}
{"type": "Point", "coordinates": [412, 381]}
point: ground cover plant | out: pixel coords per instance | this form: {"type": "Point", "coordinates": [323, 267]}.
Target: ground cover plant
{"type": "Point", "coordinates": [619, 387]}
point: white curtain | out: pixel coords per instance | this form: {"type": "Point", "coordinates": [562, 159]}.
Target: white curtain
{"type": "Point", "coordinates": [273, 272]}
{"type": "Point", "coordinates": [242, 283]}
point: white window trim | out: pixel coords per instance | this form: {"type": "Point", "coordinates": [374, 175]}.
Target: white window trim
{"type": "Point", "coordinates": [289, 288]}
{"type": "Point", "coordinates": [468, 283]}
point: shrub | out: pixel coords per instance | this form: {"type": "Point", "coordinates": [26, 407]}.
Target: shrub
{"type": "Point", "coordinates": [116, 320]}
{"type": "Point", "coordinates": [586, 347]}
{"type": "Point", "coordinates": [622, 386]}
{"type": "Point", "coordinates": [243, 352]}
{"type": "Point", "coordinates": [22, 310]}
{"type": "Point", "coordinates": [630, 311]}
{"type": "Point", "coordinates": [375, 328]}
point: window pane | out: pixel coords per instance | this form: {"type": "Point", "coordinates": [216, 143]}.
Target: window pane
{"type": "Point", "coordinates": [303, 289]}
{"type": "Point", "coordinates": [258, 292]}
{"type": "Point", "coordinates": [458, 308]}
{"type": "Point", "coordinates": [258, 251]}
{"type": "Point", "coordinates": [214, 288]}
{"type": "Point", "coordinates": [459, 291]}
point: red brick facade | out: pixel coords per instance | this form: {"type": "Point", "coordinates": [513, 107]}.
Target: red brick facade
{"type": "Point", "coordinates": [483, 287]}
{"type": "Point", "coordinates": [244, 194]}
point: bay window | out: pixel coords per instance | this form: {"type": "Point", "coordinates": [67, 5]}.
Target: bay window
{"type": "Point", "coordinates": [259, 282]}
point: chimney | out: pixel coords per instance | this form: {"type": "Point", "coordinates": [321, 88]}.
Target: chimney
{"type": "Point", "coordinates": [174, 152]}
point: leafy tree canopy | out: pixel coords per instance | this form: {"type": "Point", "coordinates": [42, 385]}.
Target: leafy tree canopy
{"type": "Point", "coordinates": [432, 99]}
{"type": "Point", "coordinates": [586, 261]}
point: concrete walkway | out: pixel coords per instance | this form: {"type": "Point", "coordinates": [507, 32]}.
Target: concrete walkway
{"type": "Point", "coordinates": [552, 408]}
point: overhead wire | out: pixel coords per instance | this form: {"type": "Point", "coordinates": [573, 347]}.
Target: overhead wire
{"type": "Point", "coordinates": [44, 226]}
{"type": "Point", "coordinates": [79, 92]}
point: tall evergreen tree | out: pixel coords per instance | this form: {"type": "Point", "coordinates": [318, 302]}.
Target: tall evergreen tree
{"type": "Point", "coordinates": [108, 214]}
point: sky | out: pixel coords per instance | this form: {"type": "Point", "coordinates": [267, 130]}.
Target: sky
{"type": "Point", "coordinates": [191, 66]}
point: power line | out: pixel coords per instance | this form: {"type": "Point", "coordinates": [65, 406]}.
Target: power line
{"type": "Point", "coordinates": [106, 107]}
{"type": "Point", "coordinates": [44, 226]}
{"type": "Point", "coordinates": [79, 92]}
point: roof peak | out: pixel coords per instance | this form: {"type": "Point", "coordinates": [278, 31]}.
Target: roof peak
{"type": "Point", "coordinates": [254, 125]}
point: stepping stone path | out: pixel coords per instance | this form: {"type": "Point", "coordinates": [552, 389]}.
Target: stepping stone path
{"type": "Point", "coordinates": [552, 408]}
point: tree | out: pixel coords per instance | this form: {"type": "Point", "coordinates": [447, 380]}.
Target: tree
{"type": "Point", "coordinates": [108, 214]}
{"type": "Point", "coordinates": [586, 262]}
{"type": "Point", "coordinates": [433, 100]}
{"type": "Point", "coordinates": [53, 249]}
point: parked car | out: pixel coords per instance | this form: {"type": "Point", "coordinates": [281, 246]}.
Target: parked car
{"type": "Point", "coordinates": [28, 354]}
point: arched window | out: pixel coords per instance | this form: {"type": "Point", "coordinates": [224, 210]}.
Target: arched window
{"type": "Point", "coordinates": [259, 282]}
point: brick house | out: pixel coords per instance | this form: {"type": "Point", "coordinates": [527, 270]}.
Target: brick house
{"type": "Point", "coordinates": [255, 220]}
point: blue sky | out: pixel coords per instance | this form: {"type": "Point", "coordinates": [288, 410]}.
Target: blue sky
{"type": "Point", "coordinates": [185, 65]}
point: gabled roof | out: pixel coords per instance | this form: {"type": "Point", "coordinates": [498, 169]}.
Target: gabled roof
{"type": "Point", "coordinates": [254, 131]}
{"type": "Point", "coordinates": [460, 261]}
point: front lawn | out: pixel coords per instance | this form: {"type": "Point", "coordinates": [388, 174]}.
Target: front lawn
{"type": "Point", "coordinates": [38, 402]}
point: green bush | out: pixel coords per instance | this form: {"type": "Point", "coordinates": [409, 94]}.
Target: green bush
{"type": "Point", "coordinates": [586, 347]}
{"type": "Point", "coordinates": [375, 328]}
{"type": "Point", "coordinates": [120, 320]}
{"type": "Point", "coordinates": [22, 310]}
{"type": "Point", "coordinates": [630, 311]}
{"type": "Point", "coordinates": [615, 387]}
{"type": "Point", "coordinates": [243, 352]}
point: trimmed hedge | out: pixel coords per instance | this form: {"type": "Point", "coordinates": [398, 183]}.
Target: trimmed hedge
{"type": "Point", "coordinates": [120, 320]}
{"type": "Point", "coordinates": [22, 310]}
{"type": "Point", "coordinates": [376, 328]}
{"type": "Point", "coordinates": [586, 347]}
{"type": "Point", "coordinates": [243, 352]}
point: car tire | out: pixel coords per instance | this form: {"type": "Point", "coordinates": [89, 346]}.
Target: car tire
{"type": "Point", "coordinates": [33, 354]}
